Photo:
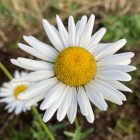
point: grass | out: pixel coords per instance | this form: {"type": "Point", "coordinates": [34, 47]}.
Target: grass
{"type": "Point", "coordinates": [122, 20]}
{"type": "Point", "coordinates": [123, 26]}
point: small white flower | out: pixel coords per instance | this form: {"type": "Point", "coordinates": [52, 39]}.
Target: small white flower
{"type": "Point", "coordinates": [10, 91]}
{"type": "Point", "coordinates": [76, 70]}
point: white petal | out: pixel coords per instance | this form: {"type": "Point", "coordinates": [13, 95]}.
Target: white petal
{"type": "Point", "coordinates": [31, 64]}
{"type": "Point", "coordinates": [12, 107]}
{"type": "Point", "coordinates": [117, 85]}
{"type": "Point", "coordinates": [79, 31]}
{"type": "Point", "coordinates": [5, 94]}
{"type": "Point", "coordinates": [95, 49]}
{"type": "Point", "coordinates": [63, 108]}
{"type": "Point", "coordinates": [53, 95]}
{"type": "Point", "coordinates": [107, 94]}
{"type": "Point", "coordinates": [90, 117]}
{"type": "Point", "coordinates": [7, 85]}
{"type": "Point", "coordinates": [50, 111]}
{"type": "Point", "coordinates": [73, 105]}
{"type": "Point", "coordinates": [109, 49]}
{"type": "Point", "coordinates": [17, 63]}
{"type": "Point", "coordinates": [45, 49]}
{"type": "Point", "coordinates": [38, 88]}
{"type": "Point", "coordinates": [115, 91]}
{"type": "Point", "coordinates": [124, 68]}
{"type": "Point", "coordinates": [115, 59]}
{"type": "Point", "coordinates": [71, 31]}
{"type": "Point", "coordinates": [96, 97]}
{"type": "Point", "coordinates": [7, 106]}
{"type": "Point", "coordinates": [114, 75]}
{"type": "Point", "coordinates": [6, 99]}
{"type": "Point", "coordinates": [95, 39]}
{"type": "Point", "coordinates": [78, 25]}
{"type": "Point", "coordinates": [53, 37]}
{"type": "Point", "coordinates": [35, 76]}
{"type": "Point", "coordinates": [127, 62]}
{"type": "Point", "coordinates": [35, 99]}
{"type": "Point", "coordinates": [23, 73]}
{"type": "Point", "coordinates": [62, 31]}
{"type": "Point", "coordinates": [83, 101]}
{"type": "Point", "coordinates": [32, 51]}
{"type": "Point", "coordinates": [5, 90]}
{"type": "Point", "coordinates": [18, 109]}
{"type": "Point", "coordinates": [86, 35]}
{"type": "Point", "coordinates": [35, 64]}
{"type": "Point", "coordinates": [16, 74]}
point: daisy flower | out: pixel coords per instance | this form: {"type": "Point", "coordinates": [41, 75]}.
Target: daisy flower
{"type": "Point", "coordinates": [75, 70]}
{"type": "Point", "coordinates": [9, 93]}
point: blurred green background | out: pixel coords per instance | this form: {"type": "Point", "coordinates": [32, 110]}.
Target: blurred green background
{"type": "Point", "coordinates": [122, 20]}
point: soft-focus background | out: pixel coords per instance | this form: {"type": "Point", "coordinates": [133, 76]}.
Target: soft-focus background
{"type": "Point", "coordinates": [122, 20]}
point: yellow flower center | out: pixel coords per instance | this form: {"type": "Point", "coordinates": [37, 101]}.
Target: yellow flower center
{"type": "Point", "coordinates": [75, 66]}
{"type": "Point", "coordinates": [20, 89]}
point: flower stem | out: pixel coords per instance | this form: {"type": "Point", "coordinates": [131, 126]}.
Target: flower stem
{"type": "Point", "coordinates": [42, 123]}
{"type": "Point", "coordinates": [76, 122]}
{"type": "Point", "coordinates": [6, 72]}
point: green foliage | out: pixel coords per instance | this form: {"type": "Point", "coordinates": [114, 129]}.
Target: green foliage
{"type": "Point", "coordinates": [78, 133]}
{"type": "Point", "coordinates": [125, 126]}
{"type": "Point", "coordinates": [74, 6]}
{"type": "Point", "coordinates": [125, 26]}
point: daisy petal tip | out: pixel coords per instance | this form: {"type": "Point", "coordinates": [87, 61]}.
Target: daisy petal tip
{"type": "Point", "coordinates": [130, 78]}
{"type": "Point", "coordinates": [131, 91]}
{"type": "Point", "coordinates": [59, 119]}
{"type": "Point", "coordinates": [104, 108]}
{"type": "Point", "coordinates": [120, 103]}
{"type": "Point", "coordinates": [44, 119]}
{"type": "Point", "coordinates": [91, 121]}
{"type": "Point", "coordinates": [44, 22]}
{"type": "Point", "coordinates": [134, 68]}
{"type": "Point", "coordinates": [70, 17]}
{"type": "Point", "coordinates": [104, 29]}
{"type": "Point", "coordinates": [20, 45]}
{"type": "Point", "coordinates": [42, 107]}
{"type": "Point", "coordinates": [124, 99]}
{"type": "Point", "coordinates": [24, 37]}
{"type": "Point", "coordinates": [92, 16]}
{"type": "Point", "coordinates": [57, 17]}
{"type": "Point", "coordinates": [71, 121]}
{"type": "Point", "coordinates": [12, 60]}
{"type": "Point", "coordinates": [123, 41]}
{"type": "Point", "coordinates": [133, 54]}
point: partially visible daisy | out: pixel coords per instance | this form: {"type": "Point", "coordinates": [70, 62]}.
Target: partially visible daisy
{"type": "Point", "coordinates": [77, 70]}
{"type": "Point", "coordinates": [10, 91]}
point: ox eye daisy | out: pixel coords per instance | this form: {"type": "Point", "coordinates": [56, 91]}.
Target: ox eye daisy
{"type": "Point", "coordinates": [9, 94]}
{"type": "Point", "coordinates": [76, 70]}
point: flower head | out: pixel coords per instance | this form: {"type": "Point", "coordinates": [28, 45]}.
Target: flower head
{"type": "Point", "coordinates": [9, 94]}
{"type": "Point", "coordinates": [76, 70]}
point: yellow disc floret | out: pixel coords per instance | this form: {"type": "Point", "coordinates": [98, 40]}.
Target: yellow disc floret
{"type": "Point", "coordinates": [75, 66]}
{"type": "Point", "coordinates": [20, 89]}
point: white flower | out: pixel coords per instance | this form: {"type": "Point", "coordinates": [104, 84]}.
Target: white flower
{"type": "Point", "coordinates": [10, 91]}
{"type": "Point", "coordinates": [76, 70]}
